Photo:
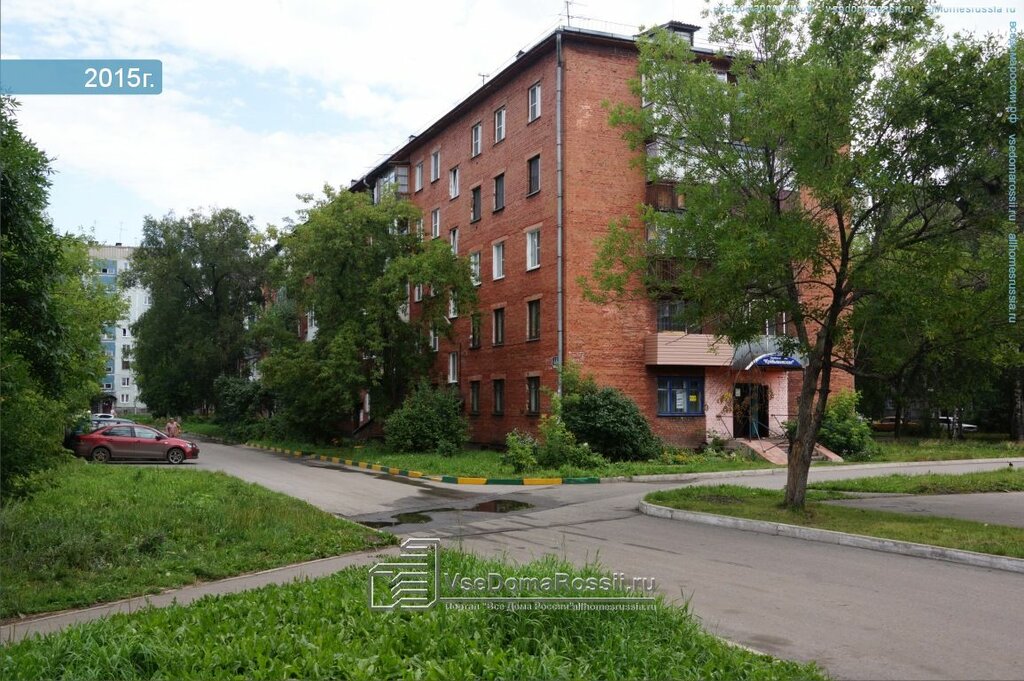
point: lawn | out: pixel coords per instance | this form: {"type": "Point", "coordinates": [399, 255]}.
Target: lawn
{"type": "Point", "coordinates": [913, 449]}
{"type": "Point", "coordinates": [1002, 480]}
{"type": "Point", "coordinates": [761, 504]}
{"type": "Point", "coordinates": [322, 629]}
{"type": "Point", "coordinates": [93, 533]}
{"type": "Point", "coordinates": [487, 464]}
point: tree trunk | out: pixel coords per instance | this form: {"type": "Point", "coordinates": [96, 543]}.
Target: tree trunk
{"type": "Point", "coordinates": [809, 416]}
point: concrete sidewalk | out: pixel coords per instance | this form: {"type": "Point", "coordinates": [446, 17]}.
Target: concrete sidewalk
{"type": "Point", "coordinates": [51, 622]}
{"type": "Point", "coordinates": [994, 508]}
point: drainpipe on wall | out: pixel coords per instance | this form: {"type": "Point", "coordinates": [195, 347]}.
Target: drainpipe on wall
{"type": "Point", "coordinates": [560, 209]}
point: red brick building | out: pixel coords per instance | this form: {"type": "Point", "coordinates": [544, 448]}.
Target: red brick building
{"type": "Point", "coordinates": [523, 177]}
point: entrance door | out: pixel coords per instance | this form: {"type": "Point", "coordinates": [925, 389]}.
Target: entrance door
{"type": "Point", "coordinates": [750, 410]}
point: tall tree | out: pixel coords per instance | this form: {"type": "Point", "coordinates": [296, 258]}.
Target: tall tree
{"type": "Point", "coordinates": [843, 136]}
{"type": "Point", "coordinates": [52, 311]}
{"type": "Point", "coordinates": [204, 274]}
{"type": "Point", "coordinates": [353, 264]}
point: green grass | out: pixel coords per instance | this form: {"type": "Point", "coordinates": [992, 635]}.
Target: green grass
{"type": "Point", "coordinates": [95, 533]}
{"type": "Point", "coordinates": [761, 504]}
{"type": "Point", "coordinates": [913, 449]}
{"type": "Point", "coordinates": [487, 464]}
{"type": "Point", "coordinates": [322, 629]}
{"type": "Point", "coordinates": [1002, 480]}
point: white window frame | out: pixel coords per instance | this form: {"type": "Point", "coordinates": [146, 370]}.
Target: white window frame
{"type": "Point", "coordinates": [435, 343]}
{"type": "Point", "coordinates": [533, 249]}
{"type": "Point", "coordinates": [435, 166]}
{"type": "Point", "coordinates": [453, 183]}
{"type": "Point", "coordinates": [474, 266]}
{"type": "Point", "coordinates": [453, 238]}
{"type": "Point", "coordinates": [499, 125]}
{"type": "Point", "coordinates": [417, 177]}
{"type": "Point", "coordinates": [476, 139]}
{"type": "Point", "coordinates": [126, 381]}
{"type": "Point", "coordinates": [453, 306]}
{"type": "Point", "coordinates": [533, 103]}
{"type": "Point", "coordinates": [435, 223]}
{"type": "Point", "coordinates": [417, 293]}
{"type": "Point", "coordinates": [453, 367]}
{"type": "Point", "coordinates": [498, 261]}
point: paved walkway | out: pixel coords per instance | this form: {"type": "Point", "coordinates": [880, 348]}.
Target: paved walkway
{"type": "Point", "coordinates": [994, 508]}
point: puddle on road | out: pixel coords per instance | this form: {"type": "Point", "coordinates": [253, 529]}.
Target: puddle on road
{"type": "Point", "coordinates": [417, 517]}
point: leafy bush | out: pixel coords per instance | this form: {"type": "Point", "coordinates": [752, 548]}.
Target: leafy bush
{"type": "Point", "coordinates": [844, 431]}
{"type": "Point", "coordinates": [520, 452]}
{"type": "Point", "coordinates": [608, 421]}
{"type": "Point", "coordinates": [559, 447]}
{"type": "Point", "coordinates": [430, 419]}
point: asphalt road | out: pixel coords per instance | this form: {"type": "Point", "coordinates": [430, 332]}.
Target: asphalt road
{"type": "Point", "coordinates": [997, 508]}
{"type": "Point", "coordinates": [860, 614]}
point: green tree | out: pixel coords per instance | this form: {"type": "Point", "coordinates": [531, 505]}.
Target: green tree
{"type": "Point", "coordinates": [52, 311]}
{"type": "Point", "coordinates": [351, 265]}
{"type": "Point", "coordinates": [205, 275]}
{"type": "Point", "coordinates": [843, 137]}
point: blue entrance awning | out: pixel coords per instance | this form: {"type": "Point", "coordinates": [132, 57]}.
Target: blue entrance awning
{"type": "Point", "coordinates": [765, 353]}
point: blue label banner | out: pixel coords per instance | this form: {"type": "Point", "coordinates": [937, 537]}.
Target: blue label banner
{"type": "Point", "coordinates": [81, 76]}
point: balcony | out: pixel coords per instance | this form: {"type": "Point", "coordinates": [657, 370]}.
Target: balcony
{"type": "Point", "coordinates": [691, 349]}
{"type": "Point", "coordinates": [663, 196]}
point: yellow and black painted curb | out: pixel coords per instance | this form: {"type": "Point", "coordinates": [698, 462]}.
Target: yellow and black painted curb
{"type": "Point", "coordinates": [452, 479]}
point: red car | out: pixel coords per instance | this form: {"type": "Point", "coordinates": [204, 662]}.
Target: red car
{"type": "Point", "coordinates": [125, 441]}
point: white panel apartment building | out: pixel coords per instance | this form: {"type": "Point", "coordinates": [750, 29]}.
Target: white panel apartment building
{"type": "Point", "coordinates": [118, 384]}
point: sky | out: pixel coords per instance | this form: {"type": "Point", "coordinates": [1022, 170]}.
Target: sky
{"type": "Point", "coordinates": [266, 99]}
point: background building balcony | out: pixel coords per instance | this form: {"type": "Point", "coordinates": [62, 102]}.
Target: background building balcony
{"type": "Point", "coordinates": [691, 349]}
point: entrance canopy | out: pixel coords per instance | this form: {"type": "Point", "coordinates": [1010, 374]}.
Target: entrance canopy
{"type": "Point", "coordinates": [765, 353]}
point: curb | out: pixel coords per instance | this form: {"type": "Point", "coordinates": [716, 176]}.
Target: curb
{"type": "Point", "coordinates": [859, 541]}
{"type": "Point", "coordinates": [450, 479]}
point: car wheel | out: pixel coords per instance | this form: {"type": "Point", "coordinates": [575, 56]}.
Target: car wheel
{"type": "Point", "coordinates": [101, 455]}
{"type": "Point", "coordinates": [175, 456]}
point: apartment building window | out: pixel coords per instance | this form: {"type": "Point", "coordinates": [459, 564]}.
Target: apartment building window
{"type": "Point", "coordinates": [474, 331]}
{"type": "Point", "coordinates": [126, 349]}
{"type": "Point", "coordinates": [453, 367]}
{"type": "Point", "coordinates": [453, 237]}
{"type": "Point", "coordinates": [498, 260]}
{"type": "Point", "coordinates": [434, 341]}
{"type": "Point", "coordinates": [499, 125]}
{"type": "Point", "coordinates": [125, 364]}
{"type": "Point", "coordinates": [680, 396]}
{"type": "Point", "coordinates": [533, 320]}
{"type": "Point", "coordinates": [499, 326]}
{"type": "Point", "coordinates": [672, 317]}
{"type": "Point", "coordinates": [417, 293]}
{"type": "Point", "coordinates": [435, 223]}
{"type": "Point", "coordinates": [474, 397]}
{"type": "Point", "coordinates": [533, 249]}
{"type": "Point", "coordinates": [474, 204]}
{"type": "Point", "coordinates": [417, 177]}
{"type": "Point", "coordinates": [499, 192]}
{"type": "Point", "coordinates": [533, 395]}
{"type": "Point", "coordinates": [124, 397]}
{"type": "Point", "coordinates": [533, 173]}
{"type": "Point", "coordinates": [435, 166]}
{"type": "Point", "coordinates": [124, 332]}
{"type": "Point", "coordinates": [498, 385]}
{"type": "Point", "coordinates": [474, 266]}
{"type": "Point", "coordinates": [453, 306]}
{"type": "Point", "coordinates": [453, 183]}
{"type": "Point", "coordinates": [126, 381]}
{"type": "Point", "coordinates": [534, 102]}
{"type": "Point", "coordinates": [475, 139]}
{"type": "Point", "coordinates": [108, 386]}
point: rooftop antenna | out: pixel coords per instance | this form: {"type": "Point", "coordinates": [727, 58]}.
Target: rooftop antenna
{"type": "Point", "coordinates": [568, 11]}
{"type": "Point", "coordinates": [483, 77]}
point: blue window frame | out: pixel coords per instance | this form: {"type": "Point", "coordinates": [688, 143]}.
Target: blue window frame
{"type": "Point", "coordinates": [680, 396]}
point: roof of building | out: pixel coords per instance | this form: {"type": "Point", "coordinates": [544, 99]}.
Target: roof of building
{"type": "Point", "coordinates": [400, 156]}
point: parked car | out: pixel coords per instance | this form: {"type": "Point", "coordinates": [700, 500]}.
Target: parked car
{"type": "Point", "coordinates": [132, 441]}
{"type": "Point", "coordinates": [949, 423]}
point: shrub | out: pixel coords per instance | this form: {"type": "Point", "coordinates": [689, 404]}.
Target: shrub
{"type": "Point", "coordinates": [430, 419]}
{"type": "Point", "coordinates": [609, 422]}
{"type": "Point", "coordinates": [844, 431]}
{"type": "Point", "coordinates": [559, 446]}
{"type": "Point", "coordinates": [521, 451]}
